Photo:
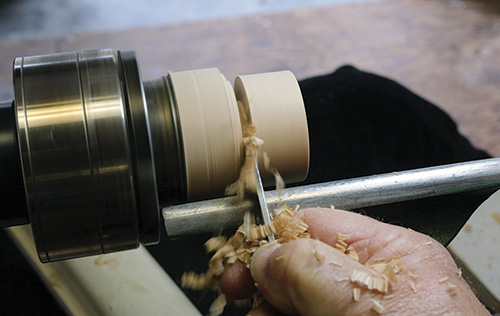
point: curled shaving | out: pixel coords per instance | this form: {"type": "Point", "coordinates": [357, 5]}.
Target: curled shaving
{"type": "Point", "coordinates": [247, 180]}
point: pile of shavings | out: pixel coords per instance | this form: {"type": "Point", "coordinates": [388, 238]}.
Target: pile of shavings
{"type": "Point", "coordinates": [287, 227]}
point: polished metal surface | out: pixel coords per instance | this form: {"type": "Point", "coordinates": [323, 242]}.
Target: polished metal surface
{"type": "Point", "coordinates": [264, 210]}
{"type": "Point", "coordinates": [109, 150]}
{"type": "Point", "coordinates": [142, 151]}
{"type": "Point", "coordinates": [166, 139]}
{"type": "Point", "coordinates": [213, 215]}
{"type": "Point", "coordinates": [76, 152]}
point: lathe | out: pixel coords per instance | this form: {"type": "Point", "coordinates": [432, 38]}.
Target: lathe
{"type": "Point", "coordinates": [98, 160]}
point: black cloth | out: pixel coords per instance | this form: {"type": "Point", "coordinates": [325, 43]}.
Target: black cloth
{"type": "Point", "coordinates": [363, 124]}
{"type": "Point", "coordinates": [359, 124]}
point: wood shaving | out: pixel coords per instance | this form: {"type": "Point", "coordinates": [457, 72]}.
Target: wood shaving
{"type": "Point", "coordinates": [333, 263]}
{"type": "Point", "coordinates": [361, 277]}
{"type": "Point", "coordinates": [379, 267]}
{"type": "Point", "coordinates": [378, 284]}
{"type": "Point", "coordinates": [217, 306]}
{"type": "Point", "coordinates": [386, 297]}
{"type": "Point", "coordinates": [225, 251]}
{"type": "Point", "coordinates": [356, 293]}
{"type": "Point", "coordinates": [278, 180]}
{"type": "Point", "coordinates": [341, 246]}
{"type": "Point", "coordinates": [232, 259]}
{"type": "Point", "coordinates": [412, 275]}
{"type": "Point", "coordinates": [247, 179]}
{"type": "Point", "coordinates": [459, 272]}
{"type": "Point", "coordinates": [319, 256]}
{"type": "Point", "coordinates": [452, 292]}
{"type": "Point", "coordinates": [452, 289]}
{"type": "Point", "coordinates": [443, 279]}
{"type": "Point", "coordinates": [371, 282]}
{"type": "Point", "coordinates": [279, 258]}
{"type": "Point", "coordinates": [388, 270]}
{"type": "Point", "coordinates": [394, 262]}
{"type": "Point", "coordinates": [394, 265]}
{"type": "Point", "coordinates": [194, 281]}
{"type": "Point", "coordinates": [215, 268]}
{"type": "Point", "coordinates": [351, 252]}
{"type": "Point", "coordinates": [413, 287]}
{"type": "Point", "coordinates": [376, 306]}
{"type": "Point", "coordinates": [342, 237]}
{"type": "Point", "coordinates": [215, 243]}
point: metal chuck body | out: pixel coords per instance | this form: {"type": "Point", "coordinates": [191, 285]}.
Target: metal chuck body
{"type": "Point", "coordinates": [85, 153]}
{"type": "Point", "coordinates": [95, 152]}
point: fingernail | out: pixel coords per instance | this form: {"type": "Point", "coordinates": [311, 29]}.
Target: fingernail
{"type": "Point", "coordinates": [260, 260]}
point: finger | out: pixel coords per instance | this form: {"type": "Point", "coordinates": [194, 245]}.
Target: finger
{"type": "Point", "coordinates": [236, 281]}
{"type": "Point", "coordinates": [307, 276]}
{"type": "Point", "coordinates": [368, 236]}
{"type": "Point", "coordinates": [325, 224]}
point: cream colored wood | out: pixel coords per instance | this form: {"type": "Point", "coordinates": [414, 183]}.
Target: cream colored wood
{"type": "Point", "coordinates": [211, 131]}
{"type": "Point", "coordinates": [277, 110]}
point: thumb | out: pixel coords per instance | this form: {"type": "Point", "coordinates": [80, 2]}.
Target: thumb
{"type": "Point", "coordinates": [308, 277]}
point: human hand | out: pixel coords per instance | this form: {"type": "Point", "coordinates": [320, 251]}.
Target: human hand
{"type": "Point", "coordinates": [295, 281]}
